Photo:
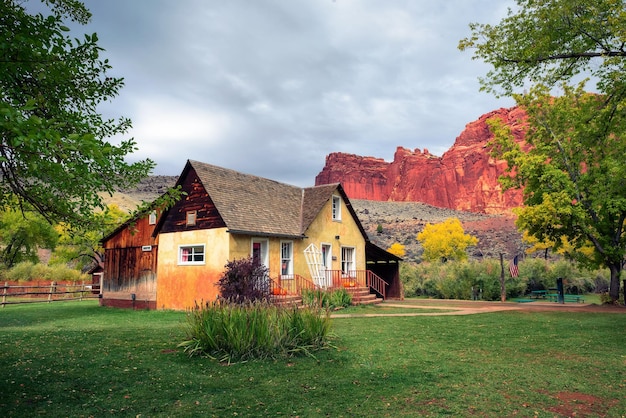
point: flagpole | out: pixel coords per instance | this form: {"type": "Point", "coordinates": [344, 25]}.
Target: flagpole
{"type": "Point", "coordinates": [502, 282]}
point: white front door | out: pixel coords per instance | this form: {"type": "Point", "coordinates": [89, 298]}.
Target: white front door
{"type": "Point", "coordinates": [327, 262]}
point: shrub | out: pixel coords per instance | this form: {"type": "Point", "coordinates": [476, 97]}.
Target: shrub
{"type": "Point", "coordinates": [601, 284]}
{"type": "Point", "coordinates": [244, 281]}
{"type": "Point", "coordinates": [60, 272]}
{"type": "Point", "coordinates": [340, 298]}
{"type": "Point", "coordinates": [27, 271]}
{"type": "Point", "coordinates": [456, 279]}
{"type": "Point", "coordinates": [238, 332]}
{"type": "Point", "coordinates": [40, 272]}
{"type": "Point", "coordinates": [22, 272]}
{"type": "Point", "coordinates": [319, 298]}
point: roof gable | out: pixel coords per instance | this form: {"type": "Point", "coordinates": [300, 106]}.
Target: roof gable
{"type": "Point", "coordinates": [252, 204]}
{"type": "Point", "coordinates": [258, 206]}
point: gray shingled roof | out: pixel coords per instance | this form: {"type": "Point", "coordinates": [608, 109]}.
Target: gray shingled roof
{"type": "Point", "coordinates": [251, 204]}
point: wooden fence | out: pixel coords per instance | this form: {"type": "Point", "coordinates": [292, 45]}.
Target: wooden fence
{"type": "Point", "coordinates": [45, 291]}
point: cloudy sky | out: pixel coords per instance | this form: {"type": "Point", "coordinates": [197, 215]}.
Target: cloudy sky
{"type": "Point", "coordinates": [270, 87]}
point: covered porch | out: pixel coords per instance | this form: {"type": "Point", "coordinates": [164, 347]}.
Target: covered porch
{"type": "Point", "coordinates": [381, 278]}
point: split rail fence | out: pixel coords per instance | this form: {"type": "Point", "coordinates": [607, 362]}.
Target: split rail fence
{"type": "Point", "coordinates": [13, 293]}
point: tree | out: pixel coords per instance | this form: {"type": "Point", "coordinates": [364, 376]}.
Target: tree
{"type": "Point", "coordinates": [573, 172]}
{"type": "Point", "coordinates": [54, 152]}
{"type": "Point", "coordinates": [397, 249]}
{"type": "Point", "coordinates": [445, 241]}
{"type": "Point", "coordinates": [550, 41]}
{"type": "Point", "coordinates": [573, 176]}
{"type": "Point", "coordinates": [82, 247]}
{"type": "Point", "coordinates": [22, 234]}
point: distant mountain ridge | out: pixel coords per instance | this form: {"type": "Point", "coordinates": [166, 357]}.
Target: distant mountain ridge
{"type": "Point", "coordinates": [464, 178]}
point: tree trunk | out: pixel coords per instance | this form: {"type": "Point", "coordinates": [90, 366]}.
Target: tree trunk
{"type": "Point", "coordinates": [615, 269]}
{"type": "Point", "coordinates": [502, 285]}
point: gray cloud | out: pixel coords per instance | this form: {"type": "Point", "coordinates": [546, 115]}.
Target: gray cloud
{"type": "Point", "coordinates": [270, 87]}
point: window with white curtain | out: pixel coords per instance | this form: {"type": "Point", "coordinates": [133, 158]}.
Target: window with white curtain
{"type": "Point", "coordinates": [191, 254]}
{"type": "Point", "coordinates": [347, 260]}
{"type": "Point", "coordinates": [286, 257]}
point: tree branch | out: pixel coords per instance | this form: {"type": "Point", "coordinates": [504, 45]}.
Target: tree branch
{"type": "Point", "coordinates": [570, 55]}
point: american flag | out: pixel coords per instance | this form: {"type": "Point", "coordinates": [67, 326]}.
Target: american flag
{"type": "Point", "coordinates": [513, 269]}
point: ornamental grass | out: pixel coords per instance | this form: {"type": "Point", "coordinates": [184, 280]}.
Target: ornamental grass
{"type": "Point", "coordinates": [230, 332]}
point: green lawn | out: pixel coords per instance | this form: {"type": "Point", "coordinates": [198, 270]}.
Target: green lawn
{"type": "Point", "coordinates": [78, 359]}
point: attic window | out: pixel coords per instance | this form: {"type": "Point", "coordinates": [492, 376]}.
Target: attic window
{"type": "Point", "coordinates": [191, 217]}
{"type": "Point", "coordinates": [336, 208]}
{"type": "Point", "coordinates": [152, 217]}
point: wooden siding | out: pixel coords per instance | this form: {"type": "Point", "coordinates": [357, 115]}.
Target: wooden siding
{"type": "Point", "coordinates": [197, 199]}
{"type": "Point", "coordinates": [130, 270]}
{"type": "Point", "coordinates": [134, 234]}
{"type": "Point", "coordinates": [130, 261]}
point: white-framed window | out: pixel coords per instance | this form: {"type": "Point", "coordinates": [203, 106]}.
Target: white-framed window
{"type": "Point", "coordinates": [260, 252]}
{"type": "Point", "coordinates": [286, 257]}
{"type": "Point", "coordinates": [191, 217]}
{"type": "Point", "coordinates": [327, 256]}
{"type": "Point", "coordinates": [347, 260]}
{"type": "Point", "coordinates": [336, 208]}
{"type": "Point", "coordinates": [191, 254]}
{"type": "Point", "coordinates": [152, 218]}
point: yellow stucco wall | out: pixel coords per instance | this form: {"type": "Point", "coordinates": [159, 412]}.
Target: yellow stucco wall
{"type": "Point", "coordinates": [180, 286]}
{"type": "Point", "coordinates": [324, 230]}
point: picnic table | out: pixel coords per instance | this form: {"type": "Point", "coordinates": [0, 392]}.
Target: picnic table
{"type": "Point", "coordinates": [538, 294]}
{"type": "Point", "coordinates": [554, 297]}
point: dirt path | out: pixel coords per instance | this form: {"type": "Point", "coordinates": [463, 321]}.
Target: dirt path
{"type": "Point", "coordinates": [466, 307]}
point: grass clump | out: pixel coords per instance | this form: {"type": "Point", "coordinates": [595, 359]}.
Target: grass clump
{"type": "Point", "coordinates": [333, 299]}
{"type": "Point", "coordinates": [231, 332]}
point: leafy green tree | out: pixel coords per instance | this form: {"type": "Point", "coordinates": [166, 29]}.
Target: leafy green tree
{"type": "Point", "coordinates": [22, 234]}
{"type": "Point", "coordinates": [82, 247]}
{"type": "Point", "coordinates": [54, 152]}
{"type": "Point", "coordinates": [550, 41]}
{"type": "Point", "coordinates": [573, 172]}
{"type": "Point", "coordinates": [573, 177]}
{"type": "Point", "coordinates": [445, 241]}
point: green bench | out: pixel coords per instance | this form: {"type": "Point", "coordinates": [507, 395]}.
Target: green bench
{"type": "Point", "coordinates": [574, 298]}
{"type": "Point", "coordinates": [554, 297]}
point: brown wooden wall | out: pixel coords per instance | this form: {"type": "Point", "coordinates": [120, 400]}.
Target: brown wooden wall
{"type": "Point", "coordinates": [136, 234]}
{"type": "Point", "coordinates": [131, 270]}
{"type": "Point", "coordinates": [130, 259]}
{"type": "Point", "coordinates": [197, 199]}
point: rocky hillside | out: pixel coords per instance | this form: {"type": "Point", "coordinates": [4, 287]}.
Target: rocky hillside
{"type": "Point", "coordinates": [464, 178]}
{"type": "Point", "coordinates": [147, 190]}
{"type": "Point", "coordinates": [400, 221]}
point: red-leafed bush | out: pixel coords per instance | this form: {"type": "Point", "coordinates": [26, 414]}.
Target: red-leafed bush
{"type": "Point", "coordinates": [244, 281]}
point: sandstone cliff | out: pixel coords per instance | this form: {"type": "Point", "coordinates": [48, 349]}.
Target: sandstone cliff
{"type": "Point", "coordinates": [464, 178]}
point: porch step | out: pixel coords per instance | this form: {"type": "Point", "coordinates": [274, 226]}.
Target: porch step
{"type": "Point", "coordinates": [362, 296]}
{"type": "Point", "coordinates": [286, 300]}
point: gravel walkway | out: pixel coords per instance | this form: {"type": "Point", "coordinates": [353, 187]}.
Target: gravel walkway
{"type": "Point", "coordinates": [462, 307]}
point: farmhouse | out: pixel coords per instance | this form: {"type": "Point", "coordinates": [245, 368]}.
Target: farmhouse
{"type": "Point", "coordinates": [306, 237]}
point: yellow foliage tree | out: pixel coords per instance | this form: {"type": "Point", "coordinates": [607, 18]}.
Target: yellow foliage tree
{"type": "Point", "coordinates": [535, 245]}
{"type": "Point", "coordinates": [445, 241]}
{"type": "Point", "coordinates": [564, 247]}
{"type": "Point", "coordinates": [397, 249]}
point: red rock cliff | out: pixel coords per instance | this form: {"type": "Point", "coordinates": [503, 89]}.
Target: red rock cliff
{"type": "Point", "coordinates": [464, 178]}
